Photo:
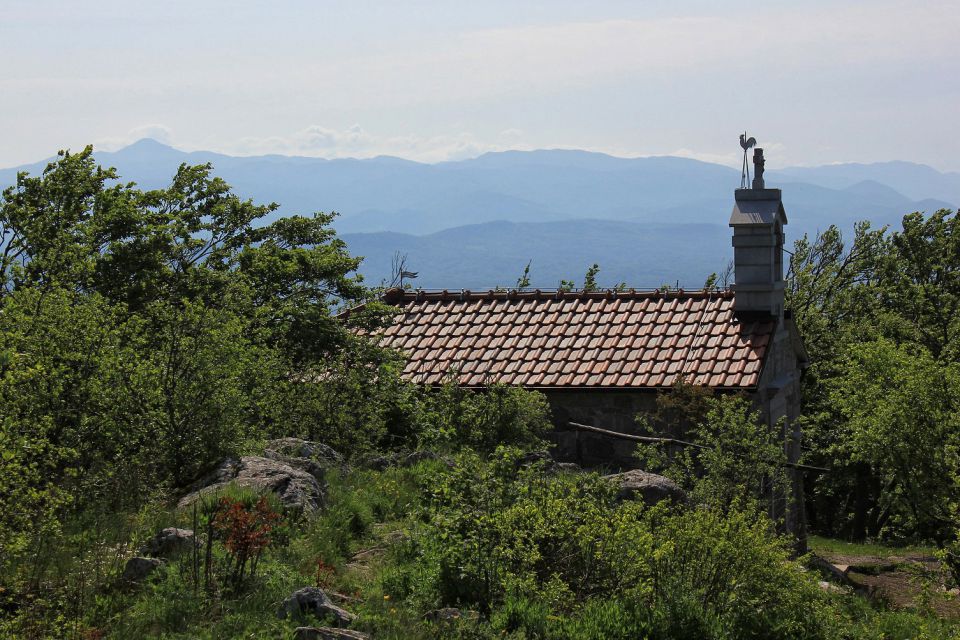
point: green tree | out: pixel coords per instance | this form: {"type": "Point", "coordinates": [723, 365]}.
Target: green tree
{"type": "Point", "coordinates": [897, 287]}
{"type": "Point", "coordinates": [195, 240]}
{"type": "Point", "coordinates": [144, 335]}
{"type": "Point", "coordinates": [919, 282]}
{"type": "Point", "coordinates": [901, 417]}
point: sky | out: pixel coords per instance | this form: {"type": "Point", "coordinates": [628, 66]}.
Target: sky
{"type": "Point", "coordinates": [814, 82]}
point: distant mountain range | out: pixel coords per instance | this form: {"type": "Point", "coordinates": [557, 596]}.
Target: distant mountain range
{"type": "Point", "coordinates": [476, 223]}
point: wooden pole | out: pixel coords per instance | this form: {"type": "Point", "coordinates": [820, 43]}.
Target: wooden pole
{"type": "Point", "coordinates": [682, 443]}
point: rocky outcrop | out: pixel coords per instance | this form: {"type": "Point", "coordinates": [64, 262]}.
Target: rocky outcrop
{"type": "Point", "coordinates": [304, 449]}
{"type": "Point", "coordinates": [648, 487]}
{"type": "Point", "coordinates": [168, 543]}
{"type": "Point", "coordinates": [314, 601]}
{"type": "Point", "coordinates": [296, 488]}
{"type": "Point", "coordinates": [327, 633]}
{"type": "Point", "coordinates": [312, 457]}
{"type": "Point", "coordinates": [138, 569]}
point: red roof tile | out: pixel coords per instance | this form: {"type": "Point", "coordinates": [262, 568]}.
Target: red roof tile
{"type": "Point", "coordinates": [550, 339]}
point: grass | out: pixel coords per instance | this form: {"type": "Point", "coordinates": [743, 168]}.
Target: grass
{"type": "Point", "coordinates": [821, 545]}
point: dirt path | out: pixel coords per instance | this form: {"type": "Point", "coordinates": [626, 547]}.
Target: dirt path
{"type": "Point", "coordinates": [903, 581]}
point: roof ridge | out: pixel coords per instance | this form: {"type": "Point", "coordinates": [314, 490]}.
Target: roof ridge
{"type": "Point", "coordinates": [396, 295]}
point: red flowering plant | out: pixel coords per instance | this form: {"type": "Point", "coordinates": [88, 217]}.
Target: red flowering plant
{"type": "Point", "coordinates": [246, 530]}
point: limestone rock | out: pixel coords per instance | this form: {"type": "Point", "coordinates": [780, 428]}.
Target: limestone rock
{"type": "Point", "coordinates": [834, 572]}
{"type": "Point", "coordinates": [314, 600]}
{"type": "Point", "coordinates": [327, 633]}
{"type": "Point", "coordinates": [829, 587]}
{"type": "Point", "coordinates": [168, 543]}
{"type": "Point", "coordinates": [297, 448]}
{"type": "Point", "coordinates": [138, 569]}
{"type": "Point", "coordinates": [297, 489]}
{"type": "Point", "coordinates": [648, 487]}
{"type": "Point", "coordinates": [304, 455]}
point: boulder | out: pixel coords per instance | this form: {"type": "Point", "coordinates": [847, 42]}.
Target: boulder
{"type": "Point", "coordinates": [138, 569]}
{"type": "Point", "coordinates": [314, 600]}
{"type": "Point", "coordinates": [168, 543]}
{"type": "Point", "coordinates": [829, 587]}
{"type": "Point", "coordinates": [366, 556]}
{"type": "Point", "coordinates": [837, 573]}
{"type": "Point", "coordinates": [306, 449]}
{"type": "Point", "coordinates": [296, 488]}
{"type": "Point", "coordinates": [537, 457]}
{"type": "Point", "coordinates": [381, 463]}
{"type": "Point", "coordinates": [648, 487]}
{"type": "Point", "coordinates": [304, 455]}
{"type": "Point", "coordinates": [327, 633]}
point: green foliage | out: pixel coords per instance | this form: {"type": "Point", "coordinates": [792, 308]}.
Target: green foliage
{"type": "Point", "coordinates": [821, 545]}
{"type": "Point", "coordinates": [495, 530]}
{"type": "Point", "coordinates": [528, 548]}
{"type": "Point", "coordinates": [590, 278]}
{"type": "Point", "coordinates": [919, 281]}
{"type": "Point", "coordinates": [524, 280]}
{"type": "Point", "coordinates": [356, 403]}
{"type": "Point", "coordinates": [129, 402]}
{"type": "Point", "coordinates": [451, 417]}
{"type": "Point", "coordinates": [901, 417]}
{"type": "Point", "coordinates": [887, 301]}
{"type": "Point", "coordinates": [737, 461]}
{"type": "Point", "coordinates": [145, 335]}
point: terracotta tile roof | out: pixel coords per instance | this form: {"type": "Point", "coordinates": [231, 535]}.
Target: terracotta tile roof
{"type": "Point", "coordinates": [602, 339]}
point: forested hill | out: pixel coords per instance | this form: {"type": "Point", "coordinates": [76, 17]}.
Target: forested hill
{"type": "Point", "coordinates": [451, 214]}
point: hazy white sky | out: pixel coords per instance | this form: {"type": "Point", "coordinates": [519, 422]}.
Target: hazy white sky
{"type": "Point", "coordinates": [815, 82]}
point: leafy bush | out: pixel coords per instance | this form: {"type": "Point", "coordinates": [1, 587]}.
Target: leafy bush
{"type": "Point", "coordinates": [739, 461]}
{"type": "Point", "coordinates": [452, 417]}
{"type": "Point", "coordinates": [528, 548]}
{"type": "Point", "coordinates": [246, 530]}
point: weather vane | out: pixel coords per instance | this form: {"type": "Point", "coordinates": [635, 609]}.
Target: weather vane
{"type": "Point", "coordinates": [745, 144]}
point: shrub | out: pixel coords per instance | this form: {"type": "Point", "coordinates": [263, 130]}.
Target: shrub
{"type": "Point", "coordinates": [526, 548]}
{"type": "Point", "coordinates": [246, 530]}
{"type": "Point", "coordinates": [740, 461]}
{"type": "Point", "coordinates": [452, 417]}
